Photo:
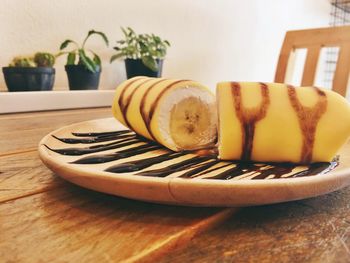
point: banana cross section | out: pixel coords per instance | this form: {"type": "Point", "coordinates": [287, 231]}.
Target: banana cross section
{"type": "Point", "coordinates": [156, 108]}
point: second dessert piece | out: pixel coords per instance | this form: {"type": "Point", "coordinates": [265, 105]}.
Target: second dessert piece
{"type": "Point", "coordinates": [179, 114]}
{"type": "Point", "coordinates": [279, 123]}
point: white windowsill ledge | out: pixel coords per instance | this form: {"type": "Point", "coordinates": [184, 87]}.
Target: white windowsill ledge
{"type": "Point", "coordinates": [11, 102]}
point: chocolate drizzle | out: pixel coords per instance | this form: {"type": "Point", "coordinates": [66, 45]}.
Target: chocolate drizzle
{"type": "Point", "coordinates": [97, 148]}
{"type": "Point", "coordinates": [94, 139]}
{"type": "Point", "coordinates": [104, 158]}
{"type": "Point", "coordinates": [121, 99]}
{"type": "Point", "coordinates": [200, 168]}
{"type": "Point", "coordinates": [125, 102]}
{"type": "Point", "coordinates": [308, 119]}
{"type": "Point", "coordinates": [188, 163]}
{"type": "Point", "coordinates": [249, 117]}
{"type": "Point", "coordinates": [146, 119]}
{"type": "Point", "coordinates": [100, 134]}
{"type": "Point", "coordinates": [187, 167]}
{"type": "Point", "coordinates": [138, 165]}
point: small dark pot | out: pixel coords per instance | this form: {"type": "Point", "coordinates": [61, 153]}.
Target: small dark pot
{"type": "Point", "coordinates": [80, 78]}
{"type": "Point", "coordinates": [29, 79]}
{"type": "Point", "coordinates": [135, 67]}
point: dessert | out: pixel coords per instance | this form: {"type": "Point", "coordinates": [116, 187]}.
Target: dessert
{"type": "Point", "coordinates": [261, 122]}
{"type": "Point", "coordinates": [179, 114]}
{"type": "Point", "coordinates": [280, 123]}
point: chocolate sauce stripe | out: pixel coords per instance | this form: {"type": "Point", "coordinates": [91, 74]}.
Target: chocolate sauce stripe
{"type": "Point", "coordinates": [308, 118]}
{"type": "Point", "coordinates": [203, 170]}
{"type": "Point", "coordinates": [96, 148]}
{"type": "Point", "coordinates": [175, 167]}
{"type": "Point", "coordinates": [225, 165]}
{"type": "Point", "coordinates": [119, 155]}
{"type": "Point", "coordinates": [139, 165]}
{"type": "Point", "coordinates": [199, 169]}
{"type": "Point", "coordinates": [142, 108]}
{"type": "Point", "coordinates": [92, 140]}
{"type": "Point", "coordinates": [122, 94]}
{"type": "Point", "coordinates": [127, 102]}
{"type": "Point", "coordinates": [97, 134]}
{"type": "Point", "coordinates": [249, 116]}
{"type": "Point", "coordinates": [185, 165]}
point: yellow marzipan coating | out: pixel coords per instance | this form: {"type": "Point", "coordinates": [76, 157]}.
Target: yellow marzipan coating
{"type": "Point", "coordinates": [278, 136]}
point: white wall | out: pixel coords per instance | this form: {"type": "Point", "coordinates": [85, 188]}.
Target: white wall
{"type": "Point", "coordinates": [212, 40]}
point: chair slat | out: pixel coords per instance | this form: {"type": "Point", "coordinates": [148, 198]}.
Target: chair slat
{"type": "Point", "coordinates": [283, 62]}
{"type": "Point", "coordinates": [310, 66]}
{"type": "Point", "coordinates": [314, 40]}
{"type": "Point", "coordinates": [342, 70]}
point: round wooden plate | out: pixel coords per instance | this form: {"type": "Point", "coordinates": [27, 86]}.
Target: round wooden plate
{"type": "Point", "coordinates": [244, 189]}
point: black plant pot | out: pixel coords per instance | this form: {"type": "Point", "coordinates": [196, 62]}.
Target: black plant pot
{"type": "Point", "coordinates": [28, 78]}
{"type": "Point", "coordinates": [135, 67]}
{"type": "Point", "coordinates": [79, 78]}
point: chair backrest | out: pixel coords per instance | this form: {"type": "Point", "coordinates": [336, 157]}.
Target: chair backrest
{"type": "Point", "coordinates": [313, 40]}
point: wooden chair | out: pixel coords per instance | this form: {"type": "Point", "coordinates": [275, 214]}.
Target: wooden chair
{"type": "Point", "coordinates": [313, 40]}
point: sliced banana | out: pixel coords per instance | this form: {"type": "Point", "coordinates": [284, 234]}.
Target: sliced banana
{"type": "Point", "coordinates": [180, 114]}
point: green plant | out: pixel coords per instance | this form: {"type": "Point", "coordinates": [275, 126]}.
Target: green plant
{"type": "Point", "coordinates": [147, 47]}
{"type": "Point", "coordinates": [44, 59]}
{"type": "Point", "coordinates": [40, 59]}
{"type": "Point", "coordinates": [90, 64]}
{"type": "Point", "coordinates": [22, 62]}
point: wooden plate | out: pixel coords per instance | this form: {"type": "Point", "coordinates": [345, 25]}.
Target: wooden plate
{"type": "Point", "coordinates": [256, 184]}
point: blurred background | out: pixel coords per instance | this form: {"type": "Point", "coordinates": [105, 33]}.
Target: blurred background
{"type": "Point", "coordinates": [211, 41]}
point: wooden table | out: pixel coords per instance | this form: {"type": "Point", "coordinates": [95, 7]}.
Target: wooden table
{"type": "Point", "coordinates": [45, 219]}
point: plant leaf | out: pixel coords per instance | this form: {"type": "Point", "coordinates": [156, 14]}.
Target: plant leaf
{"type": "Point", "coordinates": [66, 43]}
{"type": "Point", "coordinates": [131, 31]}
{"type": "Point", "coordinates": [124, 31]}
{"type": "Point", "coordinates": [96, 58]}
{"type": "Point", "coordinates": [86, 61]}
{"type": "Point", "coordinates": [116, 56]}
{"type": "Point", "coordinates": [61, 53]}
{"type": "Point", "coordinates": [93, 32]}
{"type": "Point", "coordinates": [71, 58]}
{"type": "Point", "coordinates": [150, 62]}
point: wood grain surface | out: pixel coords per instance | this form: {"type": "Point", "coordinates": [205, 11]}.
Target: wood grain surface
{"type": "Point", "coordinates": [73, 224]}
{"type": "Point", "coordinates": [312, 230]}
{"type": "Point", "coordinates": [45, 219]}
{"type": "Point", "coordinates": [24, 174]}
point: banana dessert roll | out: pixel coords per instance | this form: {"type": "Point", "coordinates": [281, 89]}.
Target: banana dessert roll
{"type": "Point", "coordinates": [270, 122]}
{"type": "Point", "coordinates": [179, 114]}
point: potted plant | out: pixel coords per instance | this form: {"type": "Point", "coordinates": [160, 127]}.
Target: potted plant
{"type": "Point", "coordinates": [83, 71]}
{"type": "Point", "coordinates": [33, 73]}
{"type": "Point", "coordinates": [143, 53]}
